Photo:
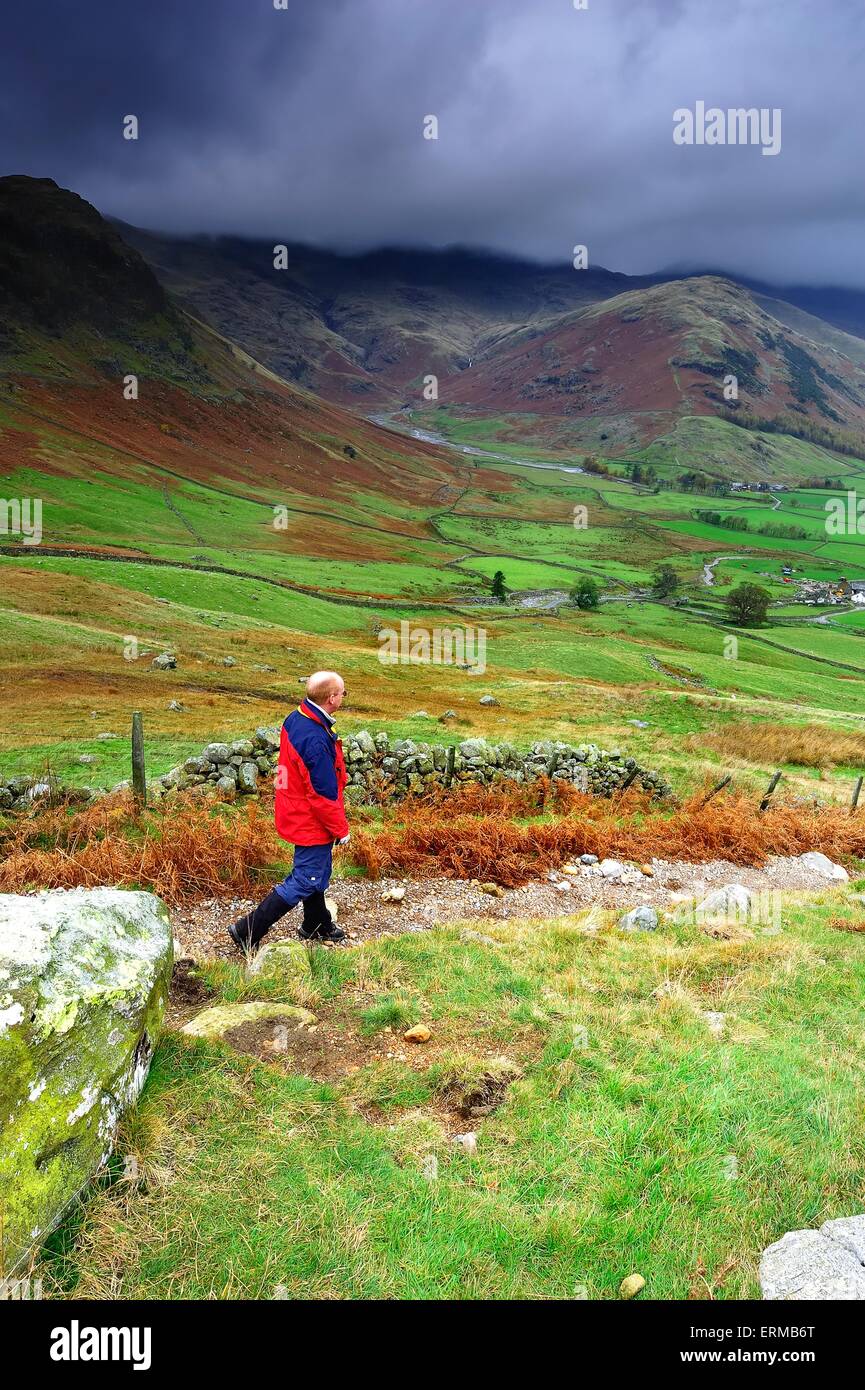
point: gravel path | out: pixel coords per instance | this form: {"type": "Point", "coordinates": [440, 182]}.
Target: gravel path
{"type": "Point", "coordinates": [201, 930]}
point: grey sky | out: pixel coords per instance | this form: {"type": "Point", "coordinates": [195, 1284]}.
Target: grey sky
{"type": "Point", "coordinates": [555, 125]}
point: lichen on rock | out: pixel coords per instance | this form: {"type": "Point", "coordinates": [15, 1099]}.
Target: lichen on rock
{"type": "Point", "coordinates": [215, 1022]}
{"type": "Point", "coordinates": [84, 979]}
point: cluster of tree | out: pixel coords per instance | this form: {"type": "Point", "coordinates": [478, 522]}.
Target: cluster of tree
{"type": "Point", "coordinates": [733, 521]}
{"type": "Point", "coordinates": [747, 605]}
{"type": "Point", "coordinates": [831, 484]}
{"type": "Point", "coordinates": [585, 593]}
{"type": "Point", "coordinates": [642, 473]}
{"type": "Point", "coordinates": [840, 441]}
{"type": "Point", "coordinates": [665, 581]}
{"type": "Point", "coordinates": [592, 464]}
{"type": "Point", "coordinates": [695, 481]}
{"type": "Point", "coordinates": [784, 532]}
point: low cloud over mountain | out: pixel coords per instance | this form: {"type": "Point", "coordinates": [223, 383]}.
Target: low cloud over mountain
{"type": "Point", "coordinates": [555, 125]}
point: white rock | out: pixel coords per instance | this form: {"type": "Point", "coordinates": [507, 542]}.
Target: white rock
{"type": "Point", "coordinates": [643, 918]}
{"type": "Point", "coordinates": [715, 1022]}
{"type": "Point", "coordinates": [610, 868]}
{"type": "Point", "coordinates": [813, 1266]}
{"type": "Point", "coordinates": [468, 1141]}
{"type": "Point", "coordinates": [848, 1231]}
{"type": "Point", "coordinates": [729, 905]}
{"type": "Point", "coordinates": [287, 960]}
{"type": "Point", "coordinates": [823, 866]}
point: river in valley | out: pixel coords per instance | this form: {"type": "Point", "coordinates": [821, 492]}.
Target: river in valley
{"type": "Point", "coordinates": [428, 437]}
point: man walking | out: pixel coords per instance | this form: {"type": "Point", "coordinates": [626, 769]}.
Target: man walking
{"type": "Point", "coordinates": [309, 813]}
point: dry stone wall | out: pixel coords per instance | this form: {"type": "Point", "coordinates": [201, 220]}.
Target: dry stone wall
{"type": "Point", "coordinates": [378, 765]}
{"type": "Point", "coordinates": [375, 762]}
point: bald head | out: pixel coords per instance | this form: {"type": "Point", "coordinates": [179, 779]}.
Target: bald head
{"type": "Point", "coordinates": [326, 689]}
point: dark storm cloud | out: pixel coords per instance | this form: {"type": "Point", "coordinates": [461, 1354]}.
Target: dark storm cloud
{"type": "Point", "coordinates": [555, 124]}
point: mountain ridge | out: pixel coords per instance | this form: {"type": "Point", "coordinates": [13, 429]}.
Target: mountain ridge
{"type": "Point", "coordinates": [511, 337]}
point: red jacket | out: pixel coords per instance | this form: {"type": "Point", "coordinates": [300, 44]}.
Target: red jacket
{"type": "Point", "coordinates": [310, 780]}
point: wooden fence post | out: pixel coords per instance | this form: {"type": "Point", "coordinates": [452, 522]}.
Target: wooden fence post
{"type": "Point", "coordinates": [139, 778]}
{"type": "Point", "coordinates": [857, 789]}
{"type": "Point", "coordinates": [718, 787]}
{"type": "Point", "coordinates": [769, 790]}
{"type": "Point", "coordinates": [631, 777]}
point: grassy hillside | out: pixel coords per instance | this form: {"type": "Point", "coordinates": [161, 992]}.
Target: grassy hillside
{"type": "Point", "coordinates": [623, 1135]}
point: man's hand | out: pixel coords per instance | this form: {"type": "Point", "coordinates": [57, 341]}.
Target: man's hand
{"type": "Point", "coordinates": [345, 839]}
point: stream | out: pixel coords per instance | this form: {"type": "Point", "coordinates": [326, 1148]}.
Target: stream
{"type": "Point", "coordinates": [428, 437]}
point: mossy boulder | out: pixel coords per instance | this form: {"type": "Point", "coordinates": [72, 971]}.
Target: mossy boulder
{"type": "Point", "coordinates": [286, 961]}
{"type": "Point", "coordinates": [84, 979]}
{"type": "Point", "coordinates": [215, 1022]}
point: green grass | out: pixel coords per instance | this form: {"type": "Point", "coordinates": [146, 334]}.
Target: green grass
{"type": "Point", "coordinates": [112, 760]}
{"type": "Point", "coordinates": [633, 1140]}
{"type": "Point", "coordinates": [67, 618]}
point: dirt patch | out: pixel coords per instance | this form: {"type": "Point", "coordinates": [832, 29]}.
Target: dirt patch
{"type": "Point", "coordinates": [187, 995]}
{"type": "Point", "coordinates": [480, 1097]}
{"type": "Point", "coordinates": [331, 1050]}
{"type": "Point", "coordinates": [327, 1050]}
{"type": "Point", "coordinates": [298, 1047]}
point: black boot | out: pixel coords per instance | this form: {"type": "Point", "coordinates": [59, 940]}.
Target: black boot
{"type": "Point", "coordinates": [312, 914]}
{"type": "Point", "coordinates": [317, 924]}
{"type": "Point", "coordinates": [249, 930]}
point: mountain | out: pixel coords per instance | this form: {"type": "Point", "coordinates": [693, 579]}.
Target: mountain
{"type": "Point", "coordinates": [837, 305]}
{"type": "Point", "coordinates": [363, 330]}
{"type": "Point", "coordinates": [542, 356]}
{"type": "Point", "coordinates": [65, 271]}
{"type": "Point", "coordinates": [101, 370]}
{"type": "Point", "coordinates": [652, 354]}
{"type": "Point", "coordinates": [572, 359]}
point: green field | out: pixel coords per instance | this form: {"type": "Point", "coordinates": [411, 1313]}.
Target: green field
{"type": "Point", "coordinates": [276, 602]}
